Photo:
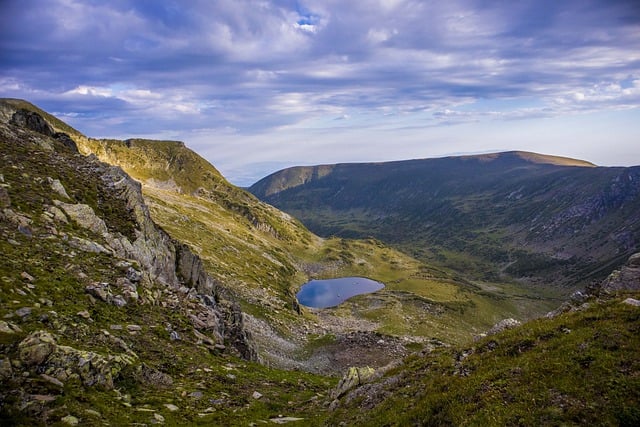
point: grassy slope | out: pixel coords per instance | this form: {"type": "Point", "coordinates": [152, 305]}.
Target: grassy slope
{"type": "Point", "coordinates": [579, 368]}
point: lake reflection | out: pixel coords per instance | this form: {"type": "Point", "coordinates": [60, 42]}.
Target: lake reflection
{"type": "Point", "coordinates": [331, 292]}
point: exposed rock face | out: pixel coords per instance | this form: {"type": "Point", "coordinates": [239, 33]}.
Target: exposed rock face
{"type": "Point", "coordinates": [354, 377]}
{"type": "Point", "coordinates": [626, 278]}
{"type": "Point", "coordinates": [32, 121]}
{"type": "Point", "coordinates": [35, 122]}
{"type": "Point", "coordinates": [162, 261]}
{"type": "Point", "coordinates": [40, 352]}
{"type": "Point", "coordinates": [190, 268]}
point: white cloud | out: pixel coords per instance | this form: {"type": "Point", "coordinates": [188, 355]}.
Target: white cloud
{"type": "Point", "coordinates": [278, 70]}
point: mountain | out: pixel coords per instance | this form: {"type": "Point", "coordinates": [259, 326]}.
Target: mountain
{"type": "Point", "coordinates": [168, 299]}
{"type": "Point", "coordinates": [522, 216]}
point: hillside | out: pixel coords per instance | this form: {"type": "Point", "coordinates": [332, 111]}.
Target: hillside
{"type": "Point", "coordinates": [537, 219]}
{"type": "Point", "coordinates": [106, 319]}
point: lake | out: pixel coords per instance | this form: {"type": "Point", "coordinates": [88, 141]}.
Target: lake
{"type": "Point", "coordinates": [331, 292]}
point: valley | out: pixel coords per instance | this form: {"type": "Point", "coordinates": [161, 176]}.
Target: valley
{"type": "Point", "coordinates": [139, 286]}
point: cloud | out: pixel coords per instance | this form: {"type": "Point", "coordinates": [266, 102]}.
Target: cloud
{"type": "Point", "coordinates": [269, 69]}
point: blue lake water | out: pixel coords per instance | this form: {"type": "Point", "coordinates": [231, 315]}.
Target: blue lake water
{"type": "Point", "coordinates": [331, 292]}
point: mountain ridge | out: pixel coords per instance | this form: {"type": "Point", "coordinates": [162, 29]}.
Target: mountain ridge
{"type": "Point", "coordinates": [503, 210]}
{"type": "Point", "coordinates": [298, 175]}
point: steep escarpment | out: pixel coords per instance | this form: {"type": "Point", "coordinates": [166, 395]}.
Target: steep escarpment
{"type": "Point", "coordinates": [94, 294]}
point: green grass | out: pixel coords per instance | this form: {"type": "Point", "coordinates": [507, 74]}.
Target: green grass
{"type": "Point", "coordinates": [579, 368]}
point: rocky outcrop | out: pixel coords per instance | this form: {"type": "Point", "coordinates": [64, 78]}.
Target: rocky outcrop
{"type": "Point", "coordinates": [119, 224]}
{"type": "Point", "coordinates": [35, 122]}
{"type": "Point", "coordinates": [503, 325]}
{"type": "Point", "coordinates": [40, 353]}
{"type": "Point", "coordinates": [354, 377]}
{"type": "Point", "coordinates": [191, 270]}
{"type": "Point", "coordinates": [627, 278]}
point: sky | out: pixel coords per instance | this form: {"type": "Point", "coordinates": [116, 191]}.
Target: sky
{"type": "Point", "coordinates": [256, 85]}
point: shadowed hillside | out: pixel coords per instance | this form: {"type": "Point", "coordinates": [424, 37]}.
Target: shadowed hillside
{"type": "Point", "coordinates": [535, 218]}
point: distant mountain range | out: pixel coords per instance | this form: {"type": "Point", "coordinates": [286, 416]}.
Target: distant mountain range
{"type": "Point", "coordinates": [513, 215]}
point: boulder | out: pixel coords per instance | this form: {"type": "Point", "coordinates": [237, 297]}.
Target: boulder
{"type": "Point", "coordinates": [32, 121]}
{"type": "Point", "coordinates": [354, 377]}
{"type": "Point", "coordinates": [40, 352]}
{"type": "Point", "coordinates": [626, 278]}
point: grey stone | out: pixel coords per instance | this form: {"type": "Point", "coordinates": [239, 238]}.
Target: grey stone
{"type": "Point", "coordinates": [6, 371]}
{"type": "Point", "coordinates": [26, 276]}
{"type": "Point", "coordinates": [70, 420]}
{"type": "Point", "coordinates": [24, 311]}
{"type": "Point", "coordinates": [57, 186]}
{"type": "Point", "coordinates": [354, 377]}
{"type": "Point", "coordinates": [502, 325]}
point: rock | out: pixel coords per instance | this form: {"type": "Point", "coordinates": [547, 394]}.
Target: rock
{"type": "Point", "coordinates": [171, 407]}
{"type": "Point", "coordinates": [627, 278]}
{"type": "Point", "coordinates": [256, 395]}
{"type": "Point", "coordinates": [9, 328]}
{"type": "Point", "coordinates": [133, 275]}
{"type": "Point", "coordinates": [84, 216]}
{"type": "Point", "coordinates": [40, 352]}
{"type": "Point", "coordinates": [52, 380]}
{"type": "Point", "coordinates": [5, 200]}
{"type": "Point", "coordinates": [134, 328]}
{"type": "Point", "coordinates": [150, 376]}
{"type": "Point", "coordinates": [31, 120]}
{"type": "Point", "coordinates": [6, 371]}
{"type": "Point", "coordinates": [70, 420]}
{"type": "Point", "coordinates": [285, 420]}
{"type": "Point", "coordinates": [86, 245]}
{"type": "Point", "coordinates": [118, 301]}
{"type": "Point", "coordinates": [190, 268]}
{"type": "Point", "coordinates": [196, 394]}
{"type": "Point", "coordinates": [99, 290]}
{"type": "Point", "coordinates": [157, 419]}
{"type": "Point", "coordinates": [26, 276]}
{"type": "Point", "coordinates": [57, 186]}
{"type": "Point", "coordinates": [174, 336]}
{"type": "Point", "coordinates": [58, 215]}
{"type": "Point", "coordinates": [632, 301]}
{"type": "Point", "coordinates": [354, 377]}
{"type": "Point", "coordinates": [36, 348]}
{"type": "Point", "coordinates": [502, 325]}
{"type": "Point", "coordinates": [84, 314]}
{"type": "Point", "coordinates": [66, 140]}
